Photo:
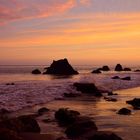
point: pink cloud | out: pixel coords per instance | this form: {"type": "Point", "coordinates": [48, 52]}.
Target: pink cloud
{"type": "Point", "coordinates": [23, 9]}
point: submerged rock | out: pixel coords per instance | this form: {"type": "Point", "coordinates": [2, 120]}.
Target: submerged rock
{"type": "Point", "coordinates": [66, 116]}
{"type": "Point", "coordinates": [42, 110]}
{"type": "Point", "coordinates": [135, 103]}
{"type": "Point", "coordinates": [36, 71]}
{"type": "Point", "coordinates": [118, 67]}
{"type": "Point", "coordinates": [21, 124]}
{"type": "Point", "coordinates": [88, 88]}
{"type": "Point", "coordinates": [116, 77]}
{"type": "Point", "coordinates": [128, 78]}
{"type": "Point", "coordinates": [61, 67]}
{"type": "Point", "coordinates": [126, 69]}
{"type": "Point", "coordinates": [124, 111]}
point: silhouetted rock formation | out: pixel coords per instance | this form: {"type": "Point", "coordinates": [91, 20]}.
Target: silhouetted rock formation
{"type": "Point", "coordinates": [118, 67]}
{"type": "Point", "coordinates": [105, 68]}
{"type": "Point", "coordinates": [97, 71]}
{"type": "Point", "coordinates": [124, 111]}
{"type": "Point", "coordinates": [61, 67]}
{"type": "Point", "coordinates": [137, 70]}
{"type": "Point", "coordinates": [36, 71]}
{"type": "Point", "coordinates": [135, 103]}
{"type": "Point", "coordinates": [126, 69]}
{"type": "Point", "coordinates": [88, 88]}
{"type": "Point", "coordinates": [128, 78]}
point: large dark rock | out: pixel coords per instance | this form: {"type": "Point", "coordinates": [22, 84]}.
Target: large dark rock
{"type": "Point", "coordinates": [124, 111]}
{"type": "Point", "coordinates": [88, 88]}
{"type": "Point", "coordinates": [66, 116]}
{"type": "Point", "coordinates": [81, 127]}
{"type": "Point", "coordinates": [105, 68]}
{"type": "Point", "coordinates": [126, 69]}
{"type": "Point", "coordinates": [104, 136]}
{"type": "Point", "coordinates": [21, 124]}
{"type": "Point", "coordinates": [135, 103]}
{"type": "Point", "coordinates": [118, 67]}
{"type": "Point", "coordinates": [61, 67]}
{"type": "Point", "coordinates": [6, 134]}
{"type": "Point", "coordinates": [36, 71]}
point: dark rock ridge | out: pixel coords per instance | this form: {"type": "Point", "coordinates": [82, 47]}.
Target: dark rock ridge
{"type": "Point", "coordinates": [135, 103]}
{"type": "Point", "coordinates": [36, 71]}
{"type": "Point", "coordinates": [88, 88]}
{"type": "Point", "coordinates": [126, 69]}
{"type": "Point", "coordinates": [97, 71]}
{"type": "Point", "coordinates": [118, 67]}
{"type": "Point", "coordinates": [124, 111]}
{"type": "Point", "coordinates": [61, 67]}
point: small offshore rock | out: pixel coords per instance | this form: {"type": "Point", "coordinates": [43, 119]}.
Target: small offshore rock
{"type": "Point", "coordinates": [124, 111]}
{"type": "Point", "coordinates": [118, 67]}
{"type": "Point", "coordinates": [36, 71]}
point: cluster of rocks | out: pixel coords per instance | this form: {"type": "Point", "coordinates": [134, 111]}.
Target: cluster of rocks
{"type": "Point", "coordinates": [59, 67]}
{"type": "Point", "coordinates": [81, 127]}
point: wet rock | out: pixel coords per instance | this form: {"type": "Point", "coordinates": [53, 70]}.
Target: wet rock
{"type": "Point", "coordinates": [97, 71]}
{"type": "Point", "coordinates": [126, 69]}
{"type": "Point", "coordinates": [36, 71]}
{"type": "Point", "coordinates": [61, 67]}
{"type": "Point", "coordinates": [128, 78]}
{"type": "Point", "coordinates": [66, 116]}
{"type": "Point", "coordinates": [124, 111]}
{"type": "Point", "coordinates": [116, 77]}
{"type": "Point", "coordinates": [88, 88]}
{"type": "Point", "coordinates": [42, 110]}
{"type": "Point", "coordinates": [82, 126]}
{"type": "Point", "coordinates": [21, 124]}
{"type": "Point", "coordinates": [104, 136]}
{"type": "Point", "coordinates": [6, 134]}
{"type": "Point", "coordinates": [118, 67]}
{"type": "Point", "coordinates": [105, 68]}
{"type": "Point", "coordinates": [69, 95]}
{"type": "Point", "coordinates": [135, 103]}
{"type": "Point", "coordinates": [110, 99]}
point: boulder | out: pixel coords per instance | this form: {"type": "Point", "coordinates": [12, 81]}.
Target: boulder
{"type": "Point", "coordinates": [104, 136]}
{"type": "Point", "coordinates": [118, 67]}
{"type": "Point", "coordinates": [36, 71]}
{"type": "Point", "coordinates": [61, 67]}
{"type": "Point", "coordinates": [135, 103]}
{"type": "Point", "coordinates": [66, 116]}
{"type": "Point", "coordinates": [105, 68]}
{"type": "Point", "coordinates": [21, 124]}
{"type": "Point", "coordinates": [42, 110]}
{"type": "Point", "coordinates": [124, 111]}
{"type": "Point", "coordinates": [126, 69]}
{"type": "Point", "coordinates": [97, 71]}
{"type": "Point", "coordinates": [128, 78]}
{"type": "Point", "coordinates": [88, 88]}
{"type": "Point", "coordinates": [116, 77]}
{"type": "Point", "coordinates": [137, 70]}
{"type": "Point", "coordinates": [81, 127]}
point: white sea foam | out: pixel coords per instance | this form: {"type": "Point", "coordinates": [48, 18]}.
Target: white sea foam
{"type": "Point", "coordinates": [29, 93]}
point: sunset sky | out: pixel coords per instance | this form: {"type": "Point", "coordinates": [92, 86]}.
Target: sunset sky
{"type": "Point", "coordinates": [84, 31]}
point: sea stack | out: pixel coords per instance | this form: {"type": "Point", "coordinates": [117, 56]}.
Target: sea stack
{"type": "Point", "coordinates": [60, 67]}
{"type": "Point", "coordinates": [118, 67]}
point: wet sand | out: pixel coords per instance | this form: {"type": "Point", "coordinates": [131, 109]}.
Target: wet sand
{"type": "Point", "coordinates": [102, 112]}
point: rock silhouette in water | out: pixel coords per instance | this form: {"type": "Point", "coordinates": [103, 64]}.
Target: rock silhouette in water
{"type": "Point", "coordinates": [127, 69]}
{"type": "Point", "coordinates": [61, 67]}
{"type": "Point", "coordinates": [118, 67]}
{"type": "Point", "coordinates": [36, 71]}
{"type": "Point", "coordinates": [105, 68]}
